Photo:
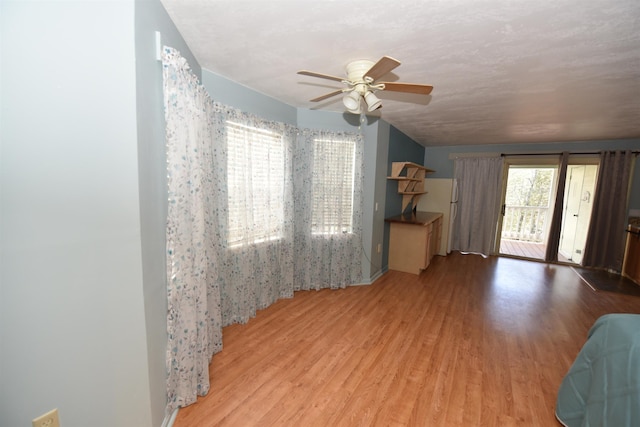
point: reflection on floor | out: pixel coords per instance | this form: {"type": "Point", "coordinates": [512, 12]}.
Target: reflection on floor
{"type": "Point", "coordinates": [600, 280]}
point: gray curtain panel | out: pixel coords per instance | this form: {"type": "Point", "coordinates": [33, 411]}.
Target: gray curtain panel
{"type": "Point", "coordinates": [479, 188]}
{"type": "Point", "coordinates": [606, 238]}
{"type": "Point", "coordinates": [553, 241]}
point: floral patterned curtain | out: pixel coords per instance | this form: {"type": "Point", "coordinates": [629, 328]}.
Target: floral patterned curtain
{"type": "Point", "coordinates": [194, 320]}
{"type": "Point", "coordinates": [219, 269]}
{"type": "Point", "coordinates": [259, 270]}
{"type": "Point", "coordinates": [324, 259]}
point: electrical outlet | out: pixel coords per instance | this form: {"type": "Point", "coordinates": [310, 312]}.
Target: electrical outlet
{"type": "Point", "coordinates": [50, 419]}
{"type": "Point", "coordinates": [379, 247]}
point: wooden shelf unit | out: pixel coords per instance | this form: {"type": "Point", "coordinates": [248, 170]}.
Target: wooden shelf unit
{"type": "Point", "coordinates": [410, 177]}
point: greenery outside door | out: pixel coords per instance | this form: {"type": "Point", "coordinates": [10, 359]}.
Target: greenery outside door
{"type": "Point", "coordinates": [529, 191]}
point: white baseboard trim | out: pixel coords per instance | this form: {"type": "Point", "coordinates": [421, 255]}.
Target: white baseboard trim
{"type": "Point", "coordinates": [373, 278]}
{"type": "Point", "coordinates": [170, 419]}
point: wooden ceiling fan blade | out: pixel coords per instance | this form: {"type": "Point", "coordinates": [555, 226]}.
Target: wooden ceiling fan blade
{"type": "Point", "coordinates": [408, 87]}
{"type": "Point", "coordinates": [382, 67]}
{"type": "Point", "coordinates": [320, 75]}
{"type": "Point", "coordinates": [328, 95]}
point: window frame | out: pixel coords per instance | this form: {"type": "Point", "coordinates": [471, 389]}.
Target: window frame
{"type": "Point", "coordinates": [336, 227]}
{"type": "Point", "coordinates": [241, 236]}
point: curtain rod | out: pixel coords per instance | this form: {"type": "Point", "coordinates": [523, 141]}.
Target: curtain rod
{"type": "Point", "coordinates": [544, 153]}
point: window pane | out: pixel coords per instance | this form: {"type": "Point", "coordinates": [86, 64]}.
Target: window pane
{"type": "Point", "coordinates": [333, 175]}
{"type": "Point", "coordinates": [255, 184]}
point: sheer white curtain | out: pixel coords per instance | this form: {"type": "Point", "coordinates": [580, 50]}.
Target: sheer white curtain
{"type": "Point", "coordinates": [255, 216]}
{"type": "Point", "coordinates": [479, 185]}
{"type": "Point", "coordinates": [194, 323]}
{"type": "Point", "coordinates": [257, 209]}
{"type": "Point", "coordinates": [328, 209]}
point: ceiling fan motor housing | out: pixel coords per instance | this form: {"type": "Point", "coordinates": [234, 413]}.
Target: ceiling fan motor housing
{"type": "Point", "coordinates": [357, 69]}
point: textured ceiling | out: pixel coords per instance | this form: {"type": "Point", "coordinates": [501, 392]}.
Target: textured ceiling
{"type": "Point", "coordinates": [503, 71]}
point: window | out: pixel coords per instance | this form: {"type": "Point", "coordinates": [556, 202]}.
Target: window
{"type": "Point", "coordinates": [255, 184]}
{"type": "Point", "coordinates": [333, 176]}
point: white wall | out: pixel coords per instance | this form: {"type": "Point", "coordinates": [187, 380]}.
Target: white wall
{"type": "Point", "coordinates": [72, 326]}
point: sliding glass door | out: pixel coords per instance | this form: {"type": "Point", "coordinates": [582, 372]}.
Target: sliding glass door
{"type": "Point", "coordinates": [529, 193]}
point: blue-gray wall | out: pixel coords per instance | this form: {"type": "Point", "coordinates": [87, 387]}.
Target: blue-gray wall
{"type": "Point", "coordinates": [72, 309]}
{"type": "Point", "coordinates": [401, 149]}
{"type": "Point", "coordinates": [150, 16]}
{"type": "Point", "coordinates": [438, 157]}
{"type": "Point", "coordinates": [379, 164]}
{"type": "Point", "coordinates": [241, 97]}
{"type": "Point", "coordinates": [83, 212]}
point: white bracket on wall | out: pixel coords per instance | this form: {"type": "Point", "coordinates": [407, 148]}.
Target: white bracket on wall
{"type": "Point", "coordinates": [158, 46]}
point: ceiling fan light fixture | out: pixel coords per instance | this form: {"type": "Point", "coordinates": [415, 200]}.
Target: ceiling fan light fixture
{"type": "Point", "coordinates": [362, 81]}
{"type": "Point", "coordinates": [373, 102]}
{"type": "Point", "coordinates": [351, 100]}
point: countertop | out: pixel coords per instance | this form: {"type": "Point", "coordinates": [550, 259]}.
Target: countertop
{"type": "Point", "coordinates": [415, 218]}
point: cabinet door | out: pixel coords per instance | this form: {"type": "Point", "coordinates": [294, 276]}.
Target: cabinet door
{"type": "Point", "coordinates": [428, 245]}
{"type": "Point", "coordinates": [407, 247]}
{"type": "Point", "coordinates": [436, 236]}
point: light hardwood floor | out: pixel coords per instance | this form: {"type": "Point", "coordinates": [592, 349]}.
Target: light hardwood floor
{"type": "Point", "coordinates": [469, 342]}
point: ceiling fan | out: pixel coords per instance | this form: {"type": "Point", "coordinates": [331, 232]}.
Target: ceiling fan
{"type": "Point", "coordinates": [361, 81]}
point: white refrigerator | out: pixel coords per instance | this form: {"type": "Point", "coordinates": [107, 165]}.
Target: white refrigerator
{"type": "Point", "coordinates": [442, 196]}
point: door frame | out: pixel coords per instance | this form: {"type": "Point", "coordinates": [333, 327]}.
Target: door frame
{"type": "Point", "coordinates": [529, 161]}
{"type": "Point", "coordinates": [583, 160]}
{"type": "Point", "coordinates": [533, 161]}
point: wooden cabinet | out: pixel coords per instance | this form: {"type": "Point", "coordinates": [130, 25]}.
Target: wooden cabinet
{"type": "Point", "coordinates": [631, 266]}
{"type": "Point", "coordinates": [410, 177]}
{"type": "Point", "coordinates": [413, 240]}
{"type": "Point", "coordinates": [436, 237]}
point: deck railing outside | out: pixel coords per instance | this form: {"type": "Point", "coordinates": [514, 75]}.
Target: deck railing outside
{"type": "Point", "coordinates": [524, 223]}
